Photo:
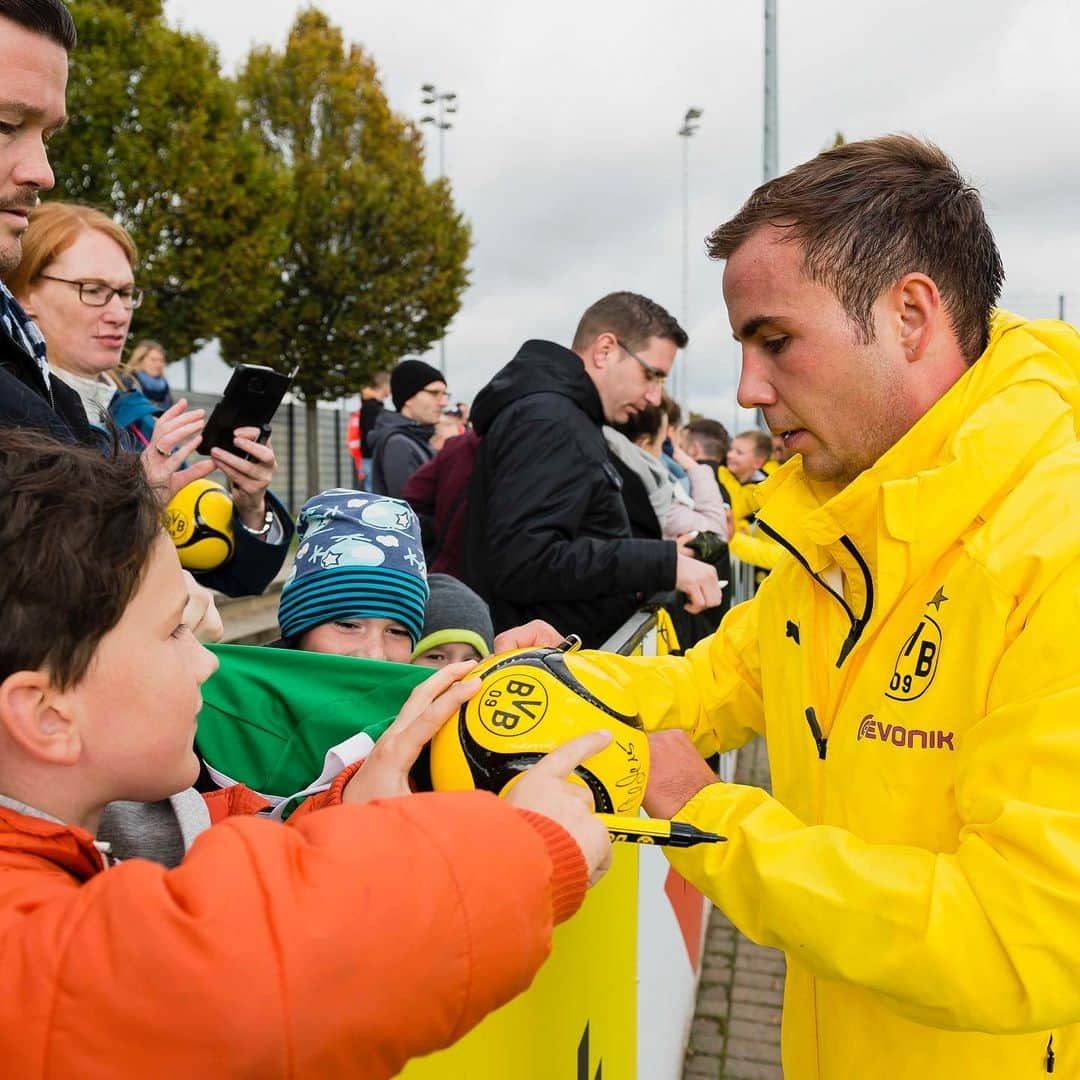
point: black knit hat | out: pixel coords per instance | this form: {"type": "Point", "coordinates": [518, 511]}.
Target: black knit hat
{"type": "Point", "coordinates": [455, 613]}
{"type": "Point", "coordinates": [409, 378]}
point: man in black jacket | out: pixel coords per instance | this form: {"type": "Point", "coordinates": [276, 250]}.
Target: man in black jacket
{"type": "Point", "coordinates": [401, 441]}
{"type": "Point", "coordinates": [548, 535]}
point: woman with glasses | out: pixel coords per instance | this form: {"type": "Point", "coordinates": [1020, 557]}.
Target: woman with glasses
{"type": "Point", "coordinates": [76, 281]}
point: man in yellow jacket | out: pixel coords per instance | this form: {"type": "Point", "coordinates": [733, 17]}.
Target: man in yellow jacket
{"type": "Point", "coordinates": [745, 469]}
{"type": "Point", "coordinates": [912, 661]}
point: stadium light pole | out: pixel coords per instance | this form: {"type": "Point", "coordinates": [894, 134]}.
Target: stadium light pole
{"type": "Point", "coordinates": [689, 126]}
{"type": "Point", "coordinates": [771, 133]}
{"type": "Point", "coordinates": [771, 124]}
{"type": "Point", "coordinates": [445, 102]}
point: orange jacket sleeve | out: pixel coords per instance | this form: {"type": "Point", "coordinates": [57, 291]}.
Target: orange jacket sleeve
{"type": "Point", "coordinates": [341, 946]}
{"type": "Point", "coordinates": [568, 885]}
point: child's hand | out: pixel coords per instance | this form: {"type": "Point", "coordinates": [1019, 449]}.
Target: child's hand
{"type": "Point", "coordinates": [682, 458]}
{"type": "Point", "coordinates": [386, 771]}
{"type": "Point", "coordinates": [200, 613]}
{"type": "Point", "coordinates": [545, 789]}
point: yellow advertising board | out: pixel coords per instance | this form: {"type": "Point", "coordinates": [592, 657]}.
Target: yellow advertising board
{"type": "Point", "coordinates": [578, 1020]}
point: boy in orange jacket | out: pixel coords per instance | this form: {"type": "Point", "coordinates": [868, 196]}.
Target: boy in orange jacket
{"type": "Point", "coordinates": [136, 939]}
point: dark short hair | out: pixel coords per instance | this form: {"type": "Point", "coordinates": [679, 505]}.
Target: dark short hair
{"type": "Point", "coordinates": [633, 319]}
{"type": "Point", "coordinates": [867, 213]}
{"type": "Point", "coordinates": [711, 436]}
{"type": "Point", "coordinates": [671, 407]}
{"type": "Point", "coordinates": [647, 422]}
{"type": "Point", "coordinates": [49, 18]}
{"type": "Point", "coordinates": [76, 529]}
{"type": "Point", "coordinates": [760, 440]}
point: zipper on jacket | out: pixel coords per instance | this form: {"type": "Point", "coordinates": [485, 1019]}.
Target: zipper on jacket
{"type": "Point", "coordinates": [815, 729]}
{"type": "Point", "coordinates": [1050, 1055]}
{"type": "Point", "coordinates": [858, 623]}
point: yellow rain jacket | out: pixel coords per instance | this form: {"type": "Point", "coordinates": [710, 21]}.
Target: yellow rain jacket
{"type": "Point", "coordinates": [919, 860]}
{"type": "Point", "coordinates": [746, 543]}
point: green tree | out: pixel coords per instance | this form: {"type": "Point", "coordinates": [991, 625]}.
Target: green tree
{"type": "Point", "coordinates": [374, 262]}
{"type": "Point", "coordinates": [155, 138]}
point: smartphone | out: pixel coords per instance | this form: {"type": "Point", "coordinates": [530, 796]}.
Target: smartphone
{"type": "Point", "coordinates": [250, 400]}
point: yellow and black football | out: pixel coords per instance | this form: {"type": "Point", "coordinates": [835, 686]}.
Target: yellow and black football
{"type": "Point", "coordinates": [531, 701]}
{"type": "Point", "coordinates": [199, 518]}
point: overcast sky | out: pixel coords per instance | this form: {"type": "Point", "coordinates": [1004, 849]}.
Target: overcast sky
{"type": "Point", "coordinates": [565, 159]}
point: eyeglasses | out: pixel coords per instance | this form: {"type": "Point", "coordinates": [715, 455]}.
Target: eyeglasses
{"type": "Point", "coordinates": [98, 294]}
{"type": "Point", "coordinates": [652, 374]}
{"type": "Point", "coordinates": [439, 395]}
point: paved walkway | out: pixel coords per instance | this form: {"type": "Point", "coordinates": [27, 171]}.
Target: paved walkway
{"type": "Point", "coordinates": [736, 1031]}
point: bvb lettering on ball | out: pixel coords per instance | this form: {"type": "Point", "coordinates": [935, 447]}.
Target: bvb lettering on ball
{"type": "Point", "coordinates": [530, 702]}
{"type": "Point", "coordinates": [199, 519]}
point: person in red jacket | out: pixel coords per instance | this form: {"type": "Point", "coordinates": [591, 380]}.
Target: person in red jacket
{"type": "Point", "coordinates": [139, 939]}
{"type": "Point", "coordinates": [362, 423]}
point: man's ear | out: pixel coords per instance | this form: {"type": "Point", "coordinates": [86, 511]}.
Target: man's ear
{"type": "Point", "coordinates": [35, 717]}
{"type": "Point", "coordinates": [603, 348]}
{"type": "Point", "coordinates": [918, 307]}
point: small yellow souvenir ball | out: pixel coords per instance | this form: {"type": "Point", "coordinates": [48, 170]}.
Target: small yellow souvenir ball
{"type": "Point", "coordinates": [199, 520]}
{"type": "Point", "coordinates": [531, 701]}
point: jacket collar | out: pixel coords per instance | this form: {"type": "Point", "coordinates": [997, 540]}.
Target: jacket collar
{"type": "Point", "coordinates": [962, 456]}
{"type": "Point", "coordinates": [539, 367]}
{"type": "Point", "coordinates": [95, 392]}
{"type": "Point", "coordinates": [34, 834]}
{"type": "Point", "coordinates": [395, 423]}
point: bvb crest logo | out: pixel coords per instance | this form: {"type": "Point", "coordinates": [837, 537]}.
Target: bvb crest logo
{"type": "Point", "coordinates": [917, 663]}
{"type": "Point", "coordinates": [513, 705]}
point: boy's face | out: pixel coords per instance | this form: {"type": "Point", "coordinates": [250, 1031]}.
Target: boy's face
{"type": "Point", "coordinates": [452, 653]}
{"type": "Point", "coordinates": [371, 639]}
{"type": "Point", "coordinates": [136, 706]}
{"type": "Point", "coordinates": [743, 460]}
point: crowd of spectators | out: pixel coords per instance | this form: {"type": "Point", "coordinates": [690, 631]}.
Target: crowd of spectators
{"type": "Point", "coordinates": [569, 497]}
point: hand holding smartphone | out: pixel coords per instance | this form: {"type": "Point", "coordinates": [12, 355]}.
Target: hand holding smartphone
{"type": "Point", "coordinates": [250, 400]}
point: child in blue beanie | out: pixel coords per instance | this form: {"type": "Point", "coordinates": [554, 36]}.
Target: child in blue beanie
{"type": "Point", "coordinates": [359, 583]}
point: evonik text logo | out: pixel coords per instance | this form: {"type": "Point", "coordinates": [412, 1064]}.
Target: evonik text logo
{"type": "Point", "coordinates": [905, 738]}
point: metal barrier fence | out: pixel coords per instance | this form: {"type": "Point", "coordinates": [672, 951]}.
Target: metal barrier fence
{"type": "Point", "coordinates": [741, 586]}
{"type": "Point", "coordinates": [290, 446]}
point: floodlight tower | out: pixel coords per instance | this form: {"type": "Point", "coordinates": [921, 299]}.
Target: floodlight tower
{"type": "Point", "coordinates": [445, 102]}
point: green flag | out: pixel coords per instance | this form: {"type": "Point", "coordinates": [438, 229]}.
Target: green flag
{"type": "Point", "coordinates": [270, 717]}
